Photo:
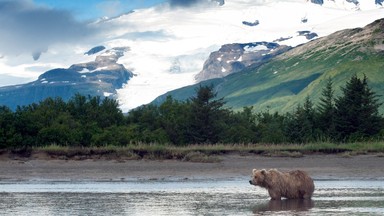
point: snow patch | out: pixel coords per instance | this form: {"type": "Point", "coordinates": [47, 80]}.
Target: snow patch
{"type": "Point", "coordinates": [84, 70]}
{"type": "Point", "coordinates": [248, 49]}
{"type": "Point", "coordinates": [107, 94]}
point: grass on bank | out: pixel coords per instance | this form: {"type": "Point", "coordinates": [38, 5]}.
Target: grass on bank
{"type": "Point", "coordinates": [199, 153]}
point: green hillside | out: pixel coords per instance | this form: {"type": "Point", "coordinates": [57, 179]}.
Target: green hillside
{"type": "Point", "coordinates": [285, 81]}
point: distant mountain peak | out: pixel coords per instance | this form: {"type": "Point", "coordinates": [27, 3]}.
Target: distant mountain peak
{"type": "Point", "coordinates": [99, 77]}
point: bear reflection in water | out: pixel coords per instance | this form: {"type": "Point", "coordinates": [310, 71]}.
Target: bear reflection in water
{"type": "Point", "coordinates": [285, 205]}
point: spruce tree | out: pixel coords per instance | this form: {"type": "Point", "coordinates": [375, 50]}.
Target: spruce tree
{"type": "Point", "coordinates": [205, 116]}
{"type": "Point", "coordinates": [326, 111]}
{"type": "Point", "coordinates": [300, 124]}
{"type": "Point", "coordinates": [356, 114]}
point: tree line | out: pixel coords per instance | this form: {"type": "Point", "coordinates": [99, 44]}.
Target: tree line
{"type": "Point", "coordinates": [202, 119]}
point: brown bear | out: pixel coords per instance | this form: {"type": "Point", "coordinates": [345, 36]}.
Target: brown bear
{"type": "Point", "coordinates": [291, 185]}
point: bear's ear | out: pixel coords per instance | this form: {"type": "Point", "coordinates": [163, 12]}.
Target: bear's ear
{"type": "Point", "coordinates": [263, 171]}
{"type": "Point", "coordinates": [254, 170]}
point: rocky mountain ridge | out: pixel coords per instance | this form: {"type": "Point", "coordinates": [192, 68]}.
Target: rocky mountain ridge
{"type": "Point", "coordinates": [232, 58]}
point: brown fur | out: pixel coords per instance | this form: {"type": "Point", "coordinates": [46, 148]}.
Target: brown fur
{"type": "Point", "coordinates": [292, 185]}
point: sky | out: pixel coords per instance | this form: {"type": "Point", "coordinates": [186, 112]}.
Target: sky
{"type": "Point", "coordinates": [93, 9]}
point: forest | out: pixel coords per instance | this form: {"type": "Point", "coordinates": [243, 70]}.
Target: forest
{"type": "Point", "coordinates": [86, 121]}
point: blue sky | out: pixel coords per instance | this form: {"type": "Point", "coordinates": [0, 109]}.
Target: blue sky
{"type": "Point", "coordinates": [92, 9]}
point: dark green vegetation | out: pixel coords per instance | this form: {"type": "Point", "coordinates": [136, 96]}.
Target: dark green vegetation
{"type": "Point", "coordinates": [86, 126]}
{"type": "Point", "coordinates": [286, 80]}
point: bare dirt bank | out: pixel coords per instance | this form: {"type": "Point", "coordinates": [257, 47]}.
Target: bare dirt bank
{"type": "Point", "coordinates": [230, 167]}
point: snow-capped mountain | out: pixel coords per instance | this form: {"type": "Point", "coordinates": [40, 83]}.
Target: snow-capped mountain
{"type": "Point", "coordinates": [169, 45]}
{"type": "Point", "coordinates": [100, 77]}
{"type": "Point", "coordinates": [232, 58]}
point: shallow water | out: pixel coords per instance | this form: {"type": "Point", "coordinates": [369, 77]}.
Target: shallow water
{"type": "Point", "coordinates": [185, 197]}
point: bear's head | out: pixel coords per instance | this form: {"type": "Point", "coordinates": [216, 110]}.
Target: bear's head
{"type": "Point", "coordinates": [258, 177]}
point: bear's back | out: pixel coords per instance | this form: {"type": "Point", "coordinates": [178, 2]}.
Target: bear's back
{"type": "Point", "coordinates": [303, 179]}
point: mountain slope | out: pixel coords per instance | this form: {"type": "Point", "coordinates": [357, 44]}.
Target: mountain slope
{"type": "Point", "coordinates": [285, 81]}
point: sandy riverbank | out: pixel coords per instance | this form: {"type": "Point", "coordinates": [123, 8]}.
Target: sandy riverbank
{"type": "Point", "coordinates": [230, 167]}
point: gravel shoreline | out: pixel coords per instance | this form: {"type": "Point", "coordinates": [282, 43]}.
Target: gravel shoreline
{"type": "Point", "coordinates": [320, 167]}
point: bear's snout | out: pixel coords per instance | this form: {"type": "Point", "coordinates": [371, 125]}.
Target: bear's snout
{"type": "Point", "coordinates": [250, 181]}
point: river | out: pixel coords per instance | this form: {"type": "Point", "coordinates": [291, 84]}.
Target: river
{"type": "Point", "coordinates": [185, 197]}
